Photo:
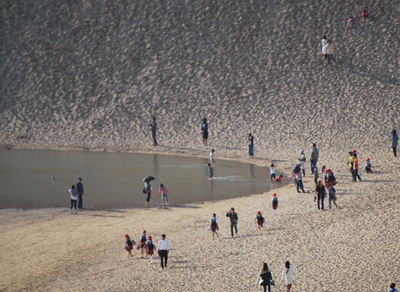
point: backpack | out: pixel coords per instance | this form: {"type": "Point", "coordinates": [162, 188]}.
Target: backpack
{"type": "Point", "coordinates": [260, 218]}
{"type": "Point", "coordinates": [150, 245]}
{"type": "Point", "coordinates": [143, 238]}
{"type": "Point", "coordinates": [213, 222]}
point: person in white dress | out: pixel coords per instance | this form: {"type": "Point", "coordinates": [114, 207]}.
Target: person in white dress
{"type": "Point", "coordinates": [324, 44]}
{"type": "Point", "coordinates": [287, 275]}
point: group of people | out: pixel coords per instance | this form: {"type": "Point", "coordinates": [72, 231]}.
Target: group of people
{"type": "Point", "coordinates": [146, 245]}
{"type": "Point", "coordinates": [266, 280]}
{"type": "Point", "coordinates": [76, 195]}
{"type": "Point", "coordinates": [364, 16]}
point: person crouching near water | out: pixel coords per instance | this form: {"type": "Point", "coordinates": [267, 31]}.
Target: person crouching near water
{"type": "Point", "coordinates": [129, 245]}
{"type": "Point", "coordinates": [259, 220]}
{"type": "Point", "coordinates": [214, 225]}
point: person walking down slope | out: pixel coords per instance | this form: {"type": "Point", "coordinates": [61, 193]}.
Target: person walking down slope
{"type": "Point", "coordinates": [330, 50]}
{"type": "Point", "coordinates": [234, 219]}
{"type": "Point", "coordinates": [204, 131]}
{"type": "Point", "coordinates": [250, 145]}
{"type": "Point", "coordinates": [395, 140]}
{"type": "Point", "coordinates": [287, 275]}
{"type": "Point", "coordinates": [266, 277]}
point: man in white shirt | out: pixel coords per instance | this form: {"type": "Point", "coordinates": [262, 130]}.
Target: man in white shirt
{"type": "Point", "coordinates": [163, 250]}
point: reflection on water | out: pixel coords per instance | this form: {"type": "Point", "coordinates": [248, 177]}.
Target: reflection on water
{"type": "Point", "coordinates": [114, 180]}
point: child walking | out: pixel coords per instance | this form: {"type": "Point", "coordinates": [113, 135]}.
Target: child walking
{"type": "Point", "coordinates": [214, 225]}
{"type": "Point", "coordinates": [164, 195]}
{"type": "Point", "coordinates": [210, 171]}
{"type": "Point", "coordinates": [274, 203]}
{"type": "Point", "coordinates": [150, 247]}
{"type": "Point", "coordinates": [142, 242]}
{"type": "Point", "coordinates": [259, 220]}
{"type": "Point", "coordinates": [129, 245]}
{"type": "Point", "coordinates": [74, 197]}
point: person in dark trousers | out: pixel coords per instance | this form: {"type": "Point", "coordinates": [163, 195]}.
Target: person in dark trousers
{"type": "Point", "coordinates": [234, 219]}
{"type": "Point", "coordinates": [266, 277]}
{"type": "Point", "coordinates": [250, 145]}
{"type": "Point", "coordinates": [355, 169]}
{"type": "Point", "coordinates": [395, 140]}
{"type": "Point", "coordinates": [163, 250]}
{"type": "Point", "coordinates": [314, 157]}
{"type": "Point", "coordinates": [321, 193]}
{"type": "Point", "coordinates": [79, 189]}
{"type": "Point", "coordinates": [153, 129]}
{"type": "Point", "coordinates": [204, 131]}
{"type": "Point", "coordinates": [392, 288]}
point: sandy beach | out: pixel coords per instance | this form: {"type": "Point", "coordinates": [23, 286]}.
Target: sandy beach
{"type": "Point", "coordinates": [78, 77]}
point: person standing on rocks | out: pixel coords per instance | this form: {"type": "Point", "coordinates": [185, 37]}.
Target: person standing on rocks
{"type": "Point", "coordinates": [79, 189]}
{"type": "Point", "coordinates": [314, 157]}
{"type": "Point", "coordinates": [204, 131]}
{"type": "Point", "coordinates": [330, 50]}
{"type": "Point", "coordinates": [324, 44]}
{"type": "Point", "coordinates": [250, 145]}
{"type": "Point", "coordinates": [153, 129]}
{"type": "Point", "coordinates": [234, 219]}
{"type": "Point", "coordinates": [395, 140]}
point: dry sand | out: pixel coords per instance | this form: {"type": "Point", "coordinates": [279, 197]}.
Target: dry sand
{"type": "Point", "coordinates": [78, 77]}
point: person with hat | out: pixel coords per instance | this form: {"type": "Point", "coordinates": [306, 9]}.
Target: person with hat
{"type": "Point", "coordinates": [163, 250]}
{"type": "Point", "coordinates": [274, 203]}
{"type": "Point", "coordinates": [214, 225]}
{"type": "Point", "coordinates": [129, 245]}
{"type": "Point", "coordinates": [259, 220]}
{"type": "Point", "coordinates": [355, 168]}
{"type": "Point", "coordinates": [233, 216]}
{"type": "Point", "coordinates": [142, 242]}
{"type": "Point", "coordinates": [150, 247]}
{"type": "Point", "coordinates": [368, 165]}
{"type": "Point", "coordinates": [79, 189]}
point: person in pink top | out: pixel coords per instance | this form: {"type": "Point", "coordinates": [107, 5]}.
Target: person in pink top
{"type": "Point", "coordinates": [164, 195]}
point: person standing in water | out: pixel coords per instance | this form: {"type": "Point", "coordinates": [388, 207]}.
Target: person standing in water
{"type": "Point", "coordinates": [204, 131]}
{"type": "Point", "coordinates": [164, 195]}
{"type": "Point", "coordinates": [210, 171]}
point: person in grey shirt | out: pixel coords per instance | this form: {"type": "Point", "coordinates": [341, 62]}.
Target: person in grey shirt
{"type": "Point", "coordinates": [79, 189]}
{"type": "Point", "coordinates": [395, 140]}
{"type": "Point", "coordinates": [314, 157]}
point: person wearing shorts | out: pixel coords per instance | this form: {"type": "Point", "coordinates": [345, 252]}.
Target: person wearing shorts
{"type": "Point", "coordinates": [164, 194]}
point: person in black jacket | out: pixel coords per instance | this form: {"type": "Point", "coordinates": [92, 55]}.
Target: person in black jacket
{"type": "Point", "coordinates": [266, 278]}
{"type": "Point", "coordinates": [321, 193]}
{"type": "Point", "coordinates": [234, 219]}
{"type": "Point", "coordinates": [79, 188]}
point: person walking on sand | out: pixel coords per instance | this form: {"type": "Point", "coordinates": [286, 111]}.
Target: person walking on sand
{"type": "Point", "coordinates": [395, 140]}
{"type": "Point", "coordinates": [79, 188]}
{"type": "Point", "coordinates": [324, 43]}
{"type": "Point", "coordinates": [330, 50]}
{"type": "Point", "coordinates": [204, 131]}
{"type": "Point", "coordinates": [250, 145]}
{"type": "Point", "coordinates": [210, 171]}
{"type": "Point", "coordinates": [150, 247]}
{"type": "Point", "coordinates": [315, 175]}
{"type": "Point", "coordinates": [274, 203]}
{"type": "Point", "coordinates": [233, 216]}
{"type": "Point", "coordinates": [259, 220]}
{"type": "Point", "coordinates": [266, 278]}
{"type": "Point", "coordinates": [163, 250]}
{"type": "Point", "coordinates": [272, 172]}
{"type": "Point", "coordinates": [314, 157]}
{"type": "Point", "coordinates": [153, 129]}
{"type": "Point", "coordinates": [73, 193]}
{"type": "Point", "coordinates": [303, 160]}
{"type": "Point", "coordinates": [214, 225]}
{"type": "Point", "coordinates": [332, 197]}
{"type": "Point", "coordinates": [321, 194]}
{"type": "Point", "coordinates": [299, 181]}
{"type": "Point", "coordinates": [355, 169]}
{"type": "Point", "coordinates": [142, 242]}
{"type": "Point", "coordinates": [287, 276]}
{"type": "Point", "coordinates": [164, 195]}
{"type": "Point", "coordinates": [212, 158]}
{"type": "Point", "coordinates": [129, 245]}
{"type": "Point", "coordinates": [392, 288]}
